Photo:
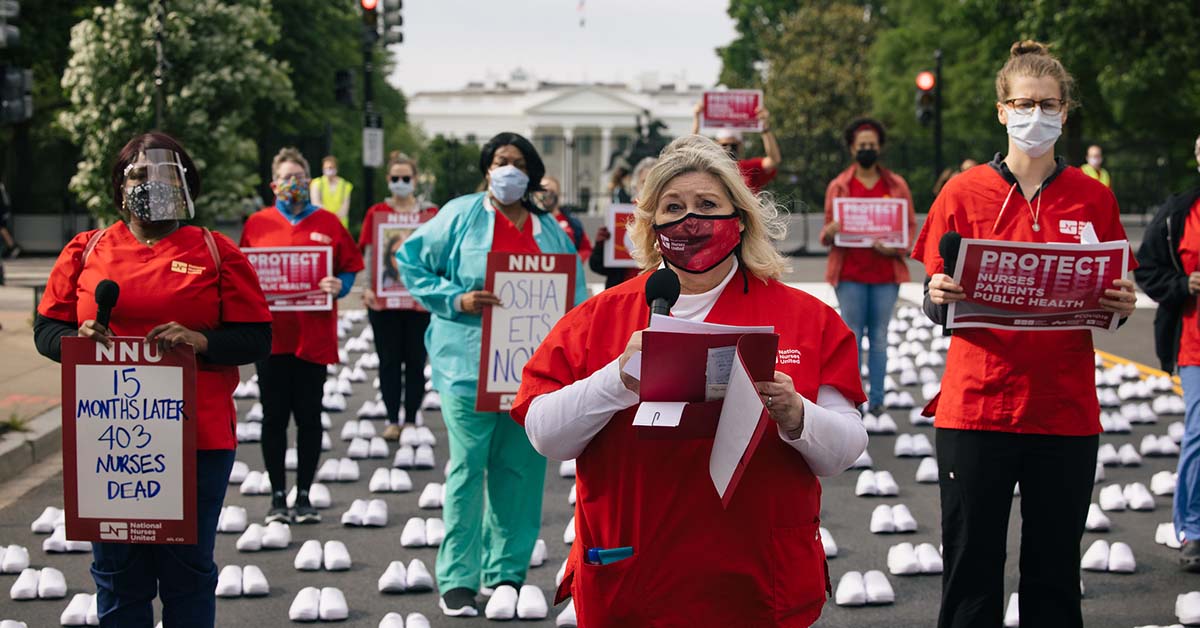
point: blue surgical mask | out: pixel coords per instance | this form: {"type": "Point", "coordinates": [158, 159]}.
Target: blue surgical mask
{"type": "Point", "coordinates": [508, 184]}
{"type": "Point", "coordinates": [401, 188]}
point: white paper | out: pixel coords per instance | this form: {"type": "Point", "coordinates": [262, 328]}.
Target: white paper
{"type": "Point", "coordinates": [659, 413]}
{"type": "Point", "coordinates": [739, 419]}
{"type": "Point", "coordinates": [633, 366]}
{"type": "Point", "coordinates": [1087, 235]}
{"type": "Point", "coordinates": [659, 322]}
{"type": "Point", "coordinates": [716, 371]}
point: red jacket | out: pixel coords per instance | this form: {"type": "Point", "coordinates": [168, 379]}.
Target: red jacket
{"type": "Point", "coordinates": [839, 188]}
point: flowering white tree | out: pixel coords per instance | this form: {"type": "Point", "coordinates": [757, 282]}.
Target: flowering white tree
{"type": "Point", "coordinates": [218, 71]}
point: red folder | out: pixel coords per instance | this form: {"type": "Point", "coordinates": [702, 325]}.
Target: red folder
{"type": "Point", "coordinates": [758, 353]}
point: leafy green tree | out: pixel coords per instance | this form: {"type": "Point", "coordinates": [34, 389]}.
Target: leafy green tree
{"type": "Point", "coordinates": [741, 60]}
{"type": "Point", "coordinates": [454, 166]}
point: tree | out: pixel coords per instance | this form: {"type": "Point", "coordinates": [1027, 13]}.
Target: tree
{"type": "Point", "coordinates": [454, 166]}
{"type": "Point", "coordinates": [742, 58]}
{"type": "Point", "coordinates": [219, 71]}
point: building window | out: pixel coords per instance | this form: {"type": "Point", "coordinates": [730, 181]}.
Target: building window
{"type": "Point", "coordinates": [471, 139]}
{"type": "Point", "coordinates": [585, 145]}
{"type": "Point", "coordinates": [547, 145]}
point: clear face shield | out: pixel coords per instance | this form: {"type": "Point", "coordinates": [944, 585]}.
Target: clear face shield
{"type": "Point", "coordinates": [156, 188]}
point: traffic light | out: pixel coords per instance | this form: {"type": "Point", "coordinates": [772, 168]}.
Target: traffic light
{"type": "Point", "coordinates": [16, 95]}
{"type": "Point", "coordinates": [926, 97]}
{"type": "Point", "coordinates": [370, 15]}
{"type": "Point", "coordinates": [10, 36]}
{"type": "Point", "coordinates": [392, 21]}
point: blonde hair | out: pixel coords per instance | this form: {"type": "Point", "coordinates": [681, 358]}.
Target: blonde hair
{"type": "Point", "coordinates": [398, 158]}
{"type": "Point", "coordinates": [286, 154]}
{"type": "Point", "coordinates": [1033, 59]}
{"type": "Point", "coordinates": [759, 214]}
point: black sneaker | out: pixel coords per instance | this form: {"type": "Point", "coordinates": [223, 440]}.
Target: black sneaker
{"type": "Point", "coordinates": [305, 513]}
{"type": "Point", "coordinates": [1189, 556]}
{"type": "Point", "coordinates": [279, 510]}
{"type": "Point", "coordinates": [459, 602]}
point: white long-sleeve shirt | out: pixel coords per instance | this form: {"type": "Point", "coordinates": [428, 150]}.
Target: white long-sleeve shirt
{"type": "Point", "coordinates": [562, 423]}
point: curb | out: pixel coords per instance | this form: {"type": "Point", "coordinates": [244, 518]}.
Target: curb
{"type": "Point", "coordinates": [24, 449]}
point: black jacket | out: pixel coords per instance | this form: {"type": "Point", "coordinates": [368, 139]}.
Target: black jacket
{"type": "Point", "coordinates": [1161, 276]}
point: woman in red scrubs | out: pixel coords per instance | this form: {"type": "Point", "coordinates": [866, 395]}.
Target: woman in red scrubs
{"type": "Point", "coordinates": [758, 562]}
{"type": "Point", "coordinates": [218, 310]}
{"type": "Point", "coordinates": [1018, 406]}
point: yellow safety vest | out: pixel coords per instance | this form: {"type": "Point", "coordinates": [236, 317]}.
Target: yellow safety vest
{"type": "Point", "coordinates": [333, 196]}
{"type": "Point", "coordinates": [1101, 176]}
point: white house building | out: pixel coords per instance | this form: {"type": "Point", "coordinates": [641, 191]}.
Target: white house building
{"type": "Point", "coordinates": [576, 127]}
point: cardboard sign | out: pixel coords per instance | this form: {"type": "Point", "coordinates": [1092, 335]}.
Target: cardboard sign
{"type": "Point", "coordinates": [391, 230]}
{"type": "Point", "coordinates": [129, 441]}
{"type": "Point", "coordinates": [865, 220]}
{"type": "Point", "coordinates": [734, 110]}
{"type": "Point", "coordinates": [289, 276]}
{"type": "Point", "coordinates": [1036, 286]}
{"type": "Point", "coordinates": [619, 252]}
{"type": "Point", "coordinates": [535, 291]}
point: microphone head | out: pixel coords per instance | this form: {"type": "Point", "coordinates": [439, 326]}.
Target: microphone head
{"type": "Point", "coordinates": [663, 284]}
{"type": "Point", "coordinates": [107, 292]}
{"type": "Point", "coordinates": [948, 247]}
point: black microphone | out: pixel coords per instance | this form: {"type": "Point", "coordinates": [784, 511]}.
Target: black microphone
{"type": "Point", "coordinates": [948, 247]}
{"type": "Point", "coordinates": [107, 292]}
{"type": "Point", "coordinates": [662, 291]}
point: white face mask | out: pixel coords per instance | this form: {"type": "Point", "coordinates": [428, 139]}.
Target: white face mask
{"type": "Point", "coordinates": [330, 172]}
{"type": "Point", "coordinates": [1095, 162]}
{"type": "Point", "coordinates": [401, 188]}
{"type": "Point", "coordinates": [508, 184]}
{"type": "Point", "coordinates": [1034, 133]}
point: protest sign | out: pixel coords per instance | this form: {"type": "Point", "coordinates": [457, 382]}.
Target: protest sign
{"type": "Point", "coordinates": [733, 110]}
{"type": "Point", "coordinates": [129, 441]}
{"type": "Point", "coordinates": [534, 291]}
{"type": "Point", "coordinates": [391, 231]}
{"type": "Point", "coordinates": [1036, 286]}
{"type": "Point", "coordinates": [865, 220]}
{"type": "Point", "coordinates": [619, 252]}
{"type": "Point", "coordinates": [289, 276]}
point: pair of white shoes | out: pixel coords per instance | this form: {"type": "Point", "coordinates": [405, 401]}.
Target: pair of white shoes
{"type": "Point", "coordinates": [507, 603]}
{"type": "Point", "coordinates": [1139, 413]}
{"type": "Point", "coordinates": [13, 559]}
{"type": "Point", "coordinates": [1110, 456]}
{"type": "Point", "coordinates": [432, 400]}
{"type": "Point", "coordinates": [432, 496]}
{"type": "Point", "coordinates": [913, 446]}
{"type": "Point", "coordinates": [882, 424]}
{"type": "Point", "coordinates": [906, 560]}
{"type": "Point", "coordinates": [917, 415]}
{"type": "Point", "coordinates": [857, 589]}
{"type": "Point", "coordinates": [59, 544]}
{"type": "Point", "coordinates": [312, 604]}
{"type": "Point", "coordinates": [1114, 423]}
{"type": "Point", "coordinates": [1168, 404]}
{"type": "Point", "coordinates": [1134, 496]}
{"type": "Point", "coordinates": [927, 471]}
{"type": "Point", "coordinates": [236, 581]}
{"type": "Point", "coordinates": [357, 344]}
{"type": "Point", "coordinates": [409, 457]}
{"type": "Point", "coordinates": [255, 413]}
{"type": "Point", "coordinates": [395, 620]}
{"type": "Point", "coordinates": [82, 610]}
{"type": "Point", "coordinates": [232, 520]}
{"type": "Point", "coordinates": [1187, 608]}
{"type": "Point", "coordinates": [876, 484]}
{"type": "Point", "coordinates": [566, 469]}
{"type": "Point", "coordinates": [1163, 483]}
{"type": "Point", "coordinates": [363, 513]}
{"type": "Point", "coordinates": [312, 556]}
{"type": "Point", "coordinates": [46, 522]}
{"type": "Point", "coordinates": [415, 436]}
{"type": "Point", "coordinates": [1165, 534]}
{"type": "Point", "coordinates": [339, 386]}
{"type": "Point", "coordinates": [361, 448]}
{"type": "Point", "coordinates": [902, 400]}
{"type": "Point", "coordinates": [892, 519]}
{"type": "Point", "coordinates": [372, 409]}
{"type": "Point", "coordinates": [357, 374]}
{"type": "Point", "coordinates": [248, 432]}
{"type": "Point", "coordinates": [47, 583]}
{"type": "Point", "coordinates": [358, 429]}
{"type": "Point", "coordinates": [1156, 446]}
{"type": "Point", "coordinates": [369, 361]}
{"type": "Point", "coordinates": [338, 470]}
{"type": "Point", "coordinates": [333, 402]}
{"type": "Point", "coordinates": [420, 532]}
{"type": "Point", "coordinates": [275, 535]}
{"type": "Point", "coordinates": [390, 481]}
{"type": "Point", "coordinates": [246, 390]}
{"type": "Point", "coordinates": [1115, 558]}
{"type": "Point", "coordinates": [318, 496]}
{"type": "Point", "coordinates": [256, 483]}
{"type": "Point", "coordinates": [413, 579]}
{"type": "Point", "coordinates": [1107, 397]}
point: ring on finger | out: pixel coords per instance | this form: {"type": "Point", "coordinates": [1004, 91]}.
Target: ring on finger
{"type": "Point", "coordinates": [768, 401]}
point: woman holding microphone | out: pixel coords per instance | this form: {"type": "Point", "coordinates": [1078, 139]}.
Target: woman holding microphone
{"type": "Point", "coordinates": [291, 379]}
{"type": "Point", "coordinates": [444, 263]}
{"type": "Point", "coordinates": [758, 562]}
{"type": "Point", "coordinates": [1018, 406]}
{"type": "Point", "coordinates": [218, 310]}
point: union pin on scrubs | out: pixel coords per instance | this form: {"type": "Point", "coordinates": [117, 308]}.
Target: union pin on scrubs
{"type": "Point", "coordinates": [159, 188]}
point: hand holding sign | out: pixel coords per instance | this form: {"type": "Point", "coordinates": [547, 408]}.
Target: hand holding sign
{"type": "Point", "coordinates": [170, 334]}
{"type": "Point", "coordinates": [473, 302]}
{"type": "Point", "coordinates": [95, 331]}
{"type": "Point", "coordinates": [943, 290]}
{"type": "Point", "coordinates": [1123, 300]}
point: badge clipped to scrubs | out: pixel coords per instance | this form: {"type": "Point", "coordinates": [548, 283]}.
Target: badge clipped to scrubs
{"type": "Point", "coordinates": [697, 244]}
{"type": "Point", "coordinates": [156, 187]}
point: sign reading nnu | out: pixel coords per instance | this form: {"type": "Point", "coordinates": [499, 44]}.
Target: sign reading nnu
{"type": "Point", "coordinates": [534, 291]}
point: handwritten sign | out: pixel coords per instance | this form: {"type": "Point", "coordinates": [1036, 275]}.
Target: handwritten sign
{"type": "Point", "coordinates": [865, 220]}
{"type": "Point", "coordinates": [129, 441]}
{"type": "Point", "coordinates": [391, 231]}
{"type": "Point", "coordinates": [1036, 286]}
{"type": "Point", "coordinates": [619, 252]}
{"type": "Point", "coordinates": [289, 276]}
{"type": "Point", "coordinates": [535, 291]}
{"type": "Point", "coordinates": [734, 109]}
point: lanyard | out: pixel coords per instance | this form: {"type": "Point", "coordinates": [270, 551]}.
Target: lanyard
{"type": "Point", "coordinates": [1035, 214]}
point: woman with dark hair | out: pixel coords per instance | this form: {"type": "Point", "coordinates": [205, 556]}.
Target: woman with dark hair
{"type": "Point", "coordinates": [493, 505]}
{"type": "Point", "coordinates": [219, 310]}
{"type": "Point", "coordinates": [867, 280]}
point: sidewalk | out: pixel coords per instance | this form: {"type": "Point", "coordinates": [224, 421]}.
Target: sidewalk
{"type": "Point", "coordinates": [30, 387]}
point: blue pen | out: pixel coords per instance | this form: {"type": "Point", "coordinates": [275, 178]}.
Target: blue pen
{"type": "Point", "coordinates": [601, 556]}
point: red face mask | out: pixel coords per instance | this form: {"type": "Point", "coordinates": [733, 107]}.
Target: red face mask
{"type": "Point", "coordinates": [697, 244]}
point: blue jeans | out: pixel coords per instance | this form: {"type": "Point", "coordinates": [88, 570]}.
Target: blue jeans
{"type": "Point", "coordinates": [1187, 493]}
{"type": "Point", "coordinates": [867, 308]}
{"type": "Point", "coordinates": [129, 576]}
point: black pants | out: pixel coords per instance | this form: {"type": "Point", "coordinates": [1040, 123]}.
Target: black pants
{"type": "Point", "coordinates": [291, 387]}
{"type": "Point", "coordinates": [400, 343]}
{"type": "Point", "coordinates": [977, 472]}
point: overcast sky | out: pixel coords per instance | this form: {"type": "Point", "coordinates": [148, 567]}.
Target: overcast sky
{"type": "Point", "coordinates": [450, 42]}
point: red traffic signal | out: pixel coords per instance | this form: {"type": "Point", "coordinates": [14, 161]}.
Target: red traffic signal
{"type": "Point", "coordinates": [369, 5]}
{"type": "Point", "coordinates": [925, 80]}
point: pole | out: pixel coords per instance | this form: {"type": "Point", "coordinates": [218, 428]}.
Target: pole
{"type": "Point", "coordinates": [368, 50]}
{"type": "Point", "coordinates": [938, 161]}
{"type": "Point", "coordinates": [160, 66]}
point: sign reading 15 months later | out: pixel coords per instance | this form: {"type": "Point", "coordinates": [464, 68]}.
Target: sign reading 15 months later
{"type": "Point", "coordinates": [129, 441]}
{"type": "Point", "coordinates": [534, 291]}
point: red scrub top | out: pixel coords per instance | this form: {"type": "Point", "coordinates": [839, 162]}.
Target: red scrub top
{"type": "Point", "coordinates": [757, 563]}
{"type": "Point", "coordinates": [310, 336]}
{"type": "Point", "coordinates": [1027, 382]}
{"type": "Point", "coordinates": [506, 238]}
{"type": "Point", "coordinates": [755, 175]}
{"type": "Point", "coordinates": [1189, 253]}
{"type": "Point", "coordinates": [585, 245]}
{"type": "Point", "coordinates": [382, 213]}
{"type": "Point", "coordinates": [174, 280]}
{"type": "Point", "coordinates": [868, 265]}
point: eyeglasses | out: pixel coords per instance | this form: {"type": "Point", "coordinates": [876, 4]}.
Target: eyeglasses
{"type": "Point", "coordinates": [1024, 106]}
{"type": "Point", "coordinates": [406, 179]}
